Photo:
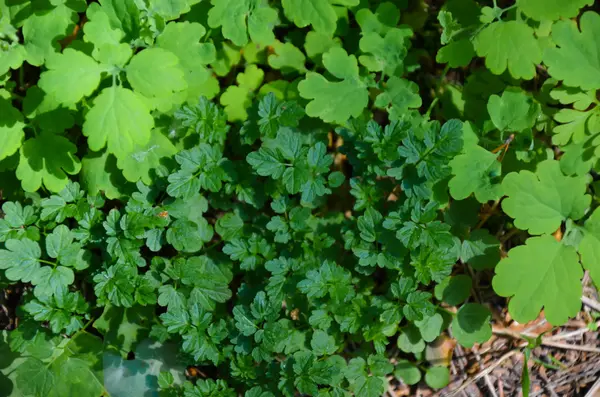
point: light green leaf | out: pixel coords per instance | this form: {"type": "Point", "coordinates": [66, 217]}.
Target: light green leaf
{"type": "Point", "coordinates": [541, 10]}
{"type": "Point", "coordinates": [398, 96]}
{"type": "Point", "coordinates": [381, 21]}
{"type": "Point", "coordinates": [71, 76]}
{"type": "Point", "coordinates": [509, 45]}
{"type": "Point", "coordinates": [20, 259]}
{"type": "Point", "coordinates": [242, 18]}
{"type": "Point", "coordinates": [542, 273]}
{"type": "Point", "coordinates": [335, 101]}
{"type": "Point", "coordinates": [119, 120]}
{"type": "Point", "coordinates": [589, 247]}
{"type": "Point", "coordinates": [41, 32]}
{"type": "Point", "coordinates": [47, 159]}
{"type": "Point", "coordinates": [320, 14]}
{"type": "Point", "coordinates": [11, 129]}
{"type": "Point", "coordinates": [386, 53]}
{"type": "Point", "coordinates": [287, 57]}
{"type": "Point", "coordinates": [237, 99]}
{"type": "Point", "coordinates": [99, 173]}
{"type": "Point", "coordinates": [155, 72]}
{"type": "Point", "coordinates": [140, 164]}
{"type": "Point", "coordinates": [437, 377]}
{"type": "Point", "coordinates": [573, 61]}
{"type": "Point", "coordinates": [540, 202]}
{"type": "Point", "coordinates": [181, 39]}
{"type": "Point", "coordinates": [513, 111]}
{"type": "Point", "coordinates": [408, 372]}
{"type": "Point", "coordinates": [477, 171]}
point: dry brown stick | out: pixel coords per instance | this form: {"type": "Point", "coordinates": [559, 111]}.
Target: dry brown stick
{"type": "Point", "coordinates": [482, 373]}
{"type": "Point", "coordinates": [545, 341]}
{"type": "Point", "coordinates": [591, 303]}
{"type": "Point", "coordinates": [593, 392]}
{"type": "Point", "coordinates": [571, 334]}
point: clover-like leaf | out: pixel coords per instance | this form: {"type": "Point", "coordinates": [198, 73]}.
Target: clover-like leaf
{"type": "Point", "coordinates": [509, 45]}
{"type": "Point", "coordinates": [540, 202]}
{"type": "Point", "coordinates": [573, 61]}
{"type": "Point", "coordinates": [589, 247]}
{"type": "Point", "coordinates": [339, 100]}
{"type": "Point", "coordinates": [46, 160]}
{"type": "Point", "coordinates": [320, 14]}
{"type": "Point", "coordinates": [11, 129]}
{"type": "Point", "coordinates": [239, 19]}
{"type": "Point", "coordinates": [71, 76]}
{"type": "Point", "coordinates": [475, 171]}
{"type": "Point", "coordinates": [542, 273]}
{"type": "Point", "coordinates": [120, 120]}
{"type": "Point", "coordinates": [542, 10]}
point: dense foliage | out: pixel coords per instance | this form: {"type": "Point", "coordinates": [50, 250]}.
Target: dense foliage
{"type": "Point", "coordinates": [280, 193]}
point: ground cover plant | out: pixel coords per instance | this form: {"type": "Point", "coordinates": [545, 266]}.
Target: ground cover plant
{"type": "Point", "coordinates": [296, 197]}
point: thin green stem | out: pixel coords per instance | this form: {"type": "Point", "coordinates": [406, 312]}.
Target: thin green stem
{"type": "Point", "coordinates": [47, 262]}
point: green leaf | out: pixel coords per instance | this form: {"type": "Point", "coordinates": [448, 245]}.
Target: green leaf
{"type": "Point", "coordinates": [513, 111]}
{"type": "Point", "coordinates": [323, 344]}
{"type": "Point", "coordinates": [237, 99]}
{"type": "Point", "coordinates": [123, 328]}
{"type": "Point", "coordinates": [541, 10]}
{"type": "Point", "coordinates": [437, 377]}
{"type": "Point", "coordinates": [155, 72]}
{"type": "Point", "coordinates": [589, 247]}
{"type": "Point", "coordinates": [239, 19]}
{"type": "Point", "coordinates": [287, 57]}
{"type": "Point", "coordinates": [387, 53]}
{"type": "Point", "coordinates": [181, 38]}
{"type": "Point", "coordinates": [320, 14]}
{"type": "Point", "coordinates": [385, 17]}
{"type": "Point", "coordinates": [509, 45]}
{"type": "Point", "coordinates": [188, 236]}
{"type": "Point", "coordinates": [398, 96]}
{"type": "Point", "coordinates": [540, 202]}
{"type": "Point", "coordinates": [11, 129]}
{"type": "Point", "coordinates": [472, 325]}
{"type": "Point", "coordinates": [120, 120]}
{"type": "Point", "coordinates": [99, 173]}
{"type": "Point", "coordinates": [46, 160]}
{"type": "Point", "coordinates": [142, 163]}
{"type": "Point", "coordinates": [339, 100]}
{"type": "Point", "coordinates": [541, 273]}
{"type": "Point", "coordinates": [407, 372]}
{"type": "Point", "coordinates": [71, 76]}
{"type": "Point", "coordinates": [572, 61]}
{"type": "Point", "coordinates": [475, 171]}
{"type": "Point", "coordinates": [480, 250]}
{"type": "Point", "coordinates": [41, 32]}
{"type": "Point", "coordinates": [454, 290]}
{"type": "Point", "coordinates": [172, 9]}
{"type": "Point", "coordinates": [20, 259]}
